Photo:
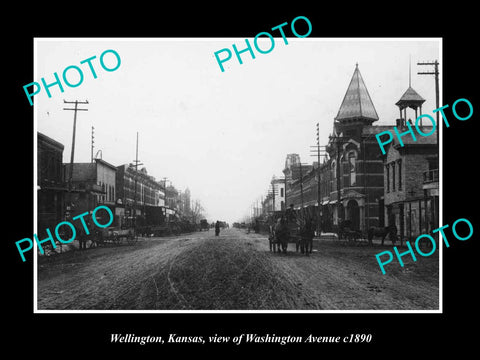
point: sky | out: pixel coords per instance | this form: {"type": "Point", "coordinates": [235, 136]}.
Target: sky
{"type": "Point", "coordinates": [221, 134]}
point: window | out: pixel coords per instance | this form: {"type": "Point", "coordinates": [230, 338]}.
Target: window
{"type": "Point", "coordinates": [393, 176]}
{"type": "Point", "coordinates": [103, 190]}
{"type": "Point", "coordinates": [353, 174]}
{"type": "Point", "coordinates": [400, 174]}
{"type": "Point", "coordinates": [281, 192]}
{"type": "Point", "coordinates": [387, 169]}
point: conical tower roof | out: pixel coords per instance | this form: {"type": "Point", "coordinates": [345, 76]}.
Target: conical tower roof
{"type": "Point", "coordinates": [357, 103]}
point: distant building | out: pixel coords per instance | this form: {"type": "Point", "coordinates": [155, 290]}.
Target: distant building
{"type": "Point", "coordinates": [51, 186]}
{"type": "Point", "coordinates": [183, 203]}
{"type": "Point", "coordinates": [172, 199]}
{"type": "Point", "coordinates": [275, 199]}
{"type": "Point", "coordinates": [147, 192]}
{"type": "Point", "coordinates": [301, 186]}
{"type": "Point", "coordinates": [93, 184]}
{"type": "Point", "coordinates": [298, 182]}
{"type": "Point", "coordinates": [160, 195]}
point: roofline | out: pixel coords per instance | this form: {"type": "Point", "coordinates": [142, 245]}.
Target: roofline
{"type": "Point", "coordinates": [106, 163]}
{"type": "Point", "coordinates": [50, 140]}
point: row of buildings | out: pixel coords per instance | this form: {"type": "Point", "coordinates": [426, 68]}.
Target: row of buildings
{"type": "Point", "coordinates": [64, 190]}
{"type": "Point", "coordinates": [356, 182]}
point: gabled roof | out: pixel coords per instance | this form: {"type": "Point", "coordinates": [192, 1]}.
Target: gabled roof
{"type": "Point", "coordinates": [357, 102]}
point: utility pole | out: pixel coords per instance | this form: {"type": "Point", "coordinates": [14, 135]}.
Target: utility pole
{"type": "Point", "coordinates": [302, 210]}
{"type": "Point", "coordinates": [165, 189]}
{"type": "Point", "coordinates": [437, 99]}
{"type": "Point", "coordinates": [273, 195]}
{"type": "Point", "coordinates": [338, 141]}
{"type": "Point", "coordinates": [301, 186]}
{"type": "Point", "coordinates": [76, 102]}
{"type": "Point", "coordinates": [93, 141]}
{"type": "Point", "coordinates": [317, 153]}
{"type": "Point", "coordinates": [318, 166]}
{"type": "Point", "coordinates": [137, 162]}
{"type": "Point", "coordinates": [437, 95]}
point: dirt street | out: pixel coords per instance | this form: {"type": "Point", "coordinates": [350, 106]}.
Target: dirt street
{"type": "Point", "coordinates": [235, 271]}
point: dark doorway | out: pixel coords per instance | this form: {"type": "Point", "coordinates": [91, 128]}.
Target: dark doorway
{"type": "Point", "coordinates": [353, 214]}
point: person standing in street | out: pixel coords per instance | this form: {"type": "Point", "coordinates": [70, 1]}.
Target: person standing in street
{"type": "Point", "coordinates": [217, 228]}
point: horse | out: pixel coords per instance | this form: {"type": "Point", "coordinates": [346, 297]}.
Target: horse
{"type": "Point", "coordinates": [272, 241]}
{"type": "Point", "coordinates": [306, 233]}
{"type": "Point", "coordinates": [383, 232]}
{"type": "Point", "coordinates": [282, 234]}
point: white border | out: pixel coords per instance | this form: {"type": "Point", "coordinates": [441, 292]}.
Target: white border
{"type": "Point", "coordinates": [35, 253]}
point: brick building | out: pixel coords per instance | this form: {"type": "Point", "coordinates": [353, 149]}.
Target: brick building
{"type": "Point", "coordinates": [51, 186]}
{"type": "Point", "coordinates": [353, 176]}
{"type": "Point", "coordinates": [149, 192]}
{"type": "Point", "coordinates": [302, 190]}
{"type": "Point", "coordinates": [93, 184]}
{"type": "Point", "coordinates": [411, 175]}
{"type": "Point", "coordinates": [360, 184]}
{"type": "Point", "coordinates": [298, 183]}
{"type": "Point", "coordinates": [411, 206]}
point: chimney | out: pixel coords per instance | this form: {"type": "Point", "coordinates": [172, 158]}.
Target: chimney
{"type": "Point", "coordinates": [400, 123]}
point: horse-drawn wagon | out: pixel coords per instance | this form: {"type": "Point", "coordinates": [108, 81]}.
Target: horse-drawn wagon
{"type": "Point", "coordinates": [116, 236]}
{"type": "Point", "coordinates": [299, 232]}
{"type": "Point", "coordinates": [204, 225]}
{"type": "Point", "coordinates": [347, 231]}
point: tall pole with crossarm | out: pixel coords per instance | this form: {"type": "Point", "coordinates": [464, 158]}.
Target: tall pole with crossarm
{"type": "Point", "coordinates": [437, 96]}
{"type": "Point", "coordinates": [76, 102]}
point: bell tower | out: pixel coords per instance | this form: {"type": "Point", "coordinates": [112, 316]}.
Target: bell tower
{"type": "Point", "coordinates": [410, 99]}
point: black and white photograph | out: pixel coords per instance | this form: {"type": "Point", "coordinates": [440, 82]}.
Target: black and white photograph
{"type": "Point", "coordinates": [294, 181]}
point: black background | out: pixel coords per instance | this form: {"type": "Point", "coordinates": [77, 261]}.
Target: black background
{"type": "Point", "coordinates": [89, 334]}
